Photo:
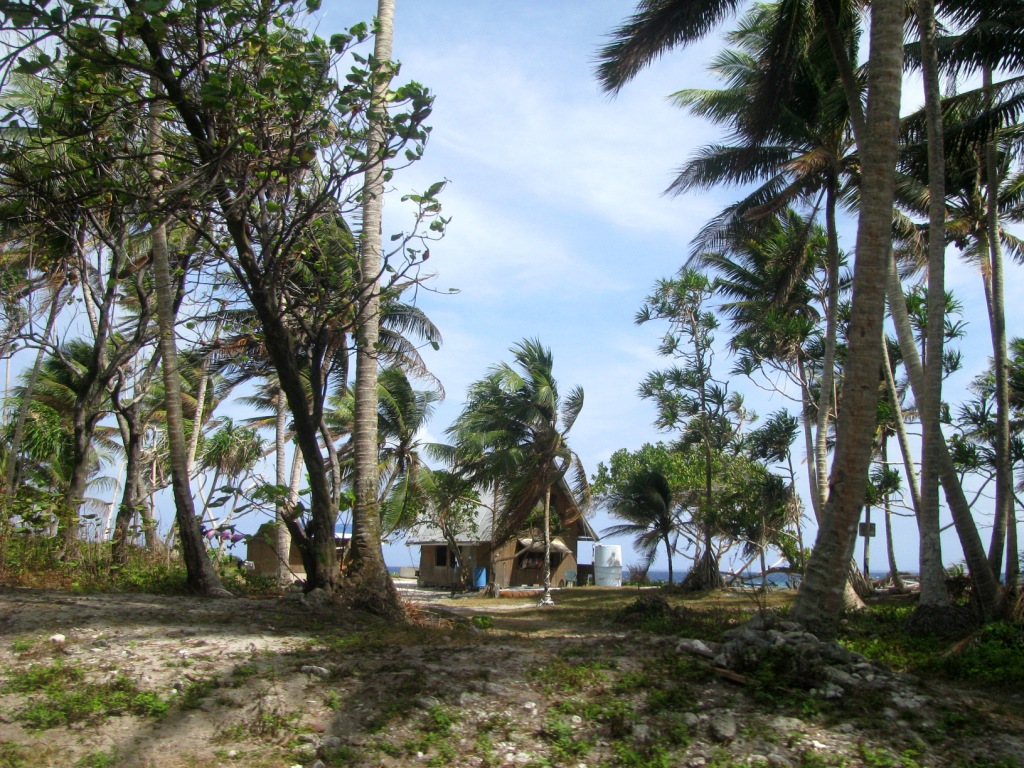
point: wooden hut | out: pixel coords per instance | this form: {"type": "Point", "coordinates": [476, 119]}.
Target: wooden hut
{"type": "Point", "coordinates": [519, 561]}
{"type": "Point", "coordinates": [260, 551]}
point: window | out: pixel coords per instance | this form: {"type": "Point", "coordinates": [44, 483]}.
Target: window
{"type": "Point", "coordinates": [441, 559]}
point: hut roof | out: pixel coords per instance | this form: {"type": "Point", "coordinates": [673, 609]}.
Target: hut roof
{"type": "Point", "coordinates": [478, 530]}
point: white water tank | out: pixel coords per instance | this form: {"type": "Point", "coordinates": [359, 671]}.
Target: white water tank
{"type": "Point", "coordinates": [608, 565]}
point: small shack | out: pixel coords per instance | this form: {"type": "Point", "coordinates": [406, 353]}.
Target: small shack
{"type": "Point", "coordinates": [518, 561]}
{"type": "Point", "coordinates": [260, 550]}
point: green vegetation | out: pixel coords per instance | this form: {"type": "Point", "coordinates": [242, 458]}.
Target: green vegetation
{"type": "Point", "coordinates": [99, 760]}
{"type": "Point", "coordinates": [61, 695]}
{"type": "Point", "coordinates": [991, 656]}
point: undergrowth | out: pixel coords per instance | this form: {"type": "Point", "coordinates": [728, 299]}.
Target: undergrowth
{"type": "Point", "coordinates": [992, 655]}
{"type": "Point", "coordinates": [61, 695]}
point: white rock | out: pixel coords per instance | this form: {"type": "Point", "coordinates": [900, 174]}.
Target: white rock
{"type": "Point", "coordinates": [57, 638]}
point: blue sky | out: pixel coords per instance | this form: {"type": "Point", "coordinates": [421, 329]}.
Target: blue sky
{"type": "Point", "coordinates": [559, 227]}
{"type": "Point", "coordinates": [558, 223]}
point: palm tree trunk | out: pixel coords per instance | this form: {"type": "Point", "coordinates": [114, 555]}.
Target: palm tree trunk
{"type": "Point", "coordinates": [986, 586]}
{"type": "Point", "coordinates": [201, 387]}
{"type": "Point", "coordinates": [933, 578]}
{"type": "Point", "coordinates": [997, 319]}
{"type": "Point", "coordinates": [374, 588]}
{"type": "Point", "coordinates": [668, 554]}
{"type": "Point", "coordinates": [809, 443]}
{"type": "Point", "coordinates": [1012, 556]}
{"type": "Point", "coordinates": [826, 397]}
{"type": "Point", "coordinates": [819, 601]}
{"type": "Point", "coordinates": [900, 427]}
{"type": "Point", "coordinates": [201, 576]}
{"type": "Point", "coordinates": [282, 539]}
{"type": "Point", "coordinates": [890, 548]}
{"type": "Point", "coordinates": [546, 597]}
{"type": "Point", "coordinates": [493, 590]}
{"type": "Point", "coordinates": [847, 75]}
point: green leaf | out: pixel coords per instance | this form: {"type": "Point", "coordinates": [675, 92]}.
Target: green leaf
{"type": "Point", "coordinates": [312, 5]}
{"type": "Point", "coordinates": [30, 66]}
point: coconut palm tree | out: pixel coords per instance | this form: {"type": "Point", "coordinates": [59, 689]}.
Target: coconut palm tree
{"type": "Point", "coordinates": [516, 418]}
{"type": "Point", "coordinates": [374, 587]}
{"type": "Point", "coordinates": [820, 599]}
{"type": "Point", "coordinates": [804, 158]}
{"type": "Point", "coordinates": [645, 504]}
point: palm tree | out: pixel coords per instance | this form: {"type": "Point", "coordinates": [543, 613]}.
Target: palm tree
{"type": "Point", "coordinates": [772, 443]}
{"type": "Point", "coordinates": [230, 452]}
{"type": "Point", "coordinates": [804, 156]}
{"type": "Point", "coordinates": [646, 504]}
{"type": "Point", "coordinates": [517, 419]}
{"type": "Point", "coordinates": [402, 414]}
{"type": "Point", "coordinates": [820, 599]}
{"type": "Point", "coordinates": [374, 587]}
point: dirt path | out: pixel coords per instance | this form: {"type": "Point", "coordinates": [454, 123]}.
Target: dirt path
{"type": "Point", "coordinates": [166, 682]}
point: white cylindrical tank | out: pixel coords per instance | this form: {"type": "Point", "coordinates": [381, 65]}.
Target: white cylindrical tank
{"type": "Point", "coordinates": [608, 565]}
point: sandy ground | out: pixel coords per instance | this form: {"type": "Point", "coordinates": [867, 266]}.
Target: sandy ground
{"type": "Point", "coordinates": [260, 683]}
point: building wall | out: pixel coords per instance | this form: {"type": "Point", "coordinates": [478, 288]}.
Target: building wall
{"type": "Point", "coordinates": [512, 569]}
{"type": "Point", "coordinates": [260, 552]}
{"type": "Point", "coordinates": [437, 570]}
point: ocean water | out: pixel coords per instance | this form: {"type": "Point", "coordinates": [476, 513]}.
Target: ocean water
{"type": "Point", "coordinates": [778, 579]}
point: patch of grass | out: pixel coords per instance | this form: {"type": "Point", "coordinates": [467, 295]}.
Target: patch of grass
{"type": "Point", "coordinates": [59, 695]}
{"type": "Point", "coordinates": [482, 621]}
{"type": "Point", "coordinates": [243, 672]}
{"type": "Point", "coordinates": [483, 748]}
{"type": "Point", "coordinates": [614, 714]}
{"type": "Point", "coordinates": [434, 734]}
{"type": "Point", "coordinates": [402, 700]}
{"type": "Point", "coordinates": [13, 756]}
{"type": "Point", "coordinates": [566, 743]}
{"type": "Point", "coordinates": [22, 645]}
{"type": "Point", "coordinates": [814, 759]}
{"type": "Point", "coordinates": [631, 755]}
{"type": "Point", "coordinates": [332, 700]}
{"type": "Point", "coordinates": [39, 677]}
{"type": "Point", "coordinates": [561, 676]}
{"type": "Point", "coordinates": [722, 759]}
{"type": "Point", "coordinates": [267, 723]}
{"type": "Point", "coordinates": [882, 758]}
{"type": "Point", "coordinates": [991, 656]}
{"type": "Point", "coordinates": [196, 691]}
{"type": "Point", "coordinates": [99, 760]}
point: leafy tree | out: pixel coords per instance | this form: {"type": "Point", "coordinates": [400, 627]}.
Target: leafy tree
{"type": "Point", "coordinates": [259, 133]}
{"type": "Point", "coordinates": [772, 443]}
{"type": "Point", "coordinates": [688, 396]}
{"type": "Point", "coordinates": [443, 500]}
